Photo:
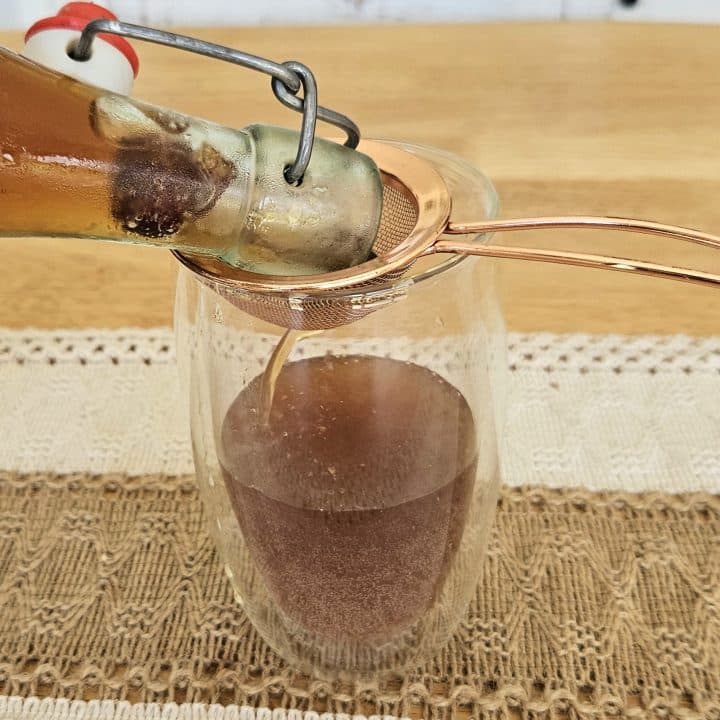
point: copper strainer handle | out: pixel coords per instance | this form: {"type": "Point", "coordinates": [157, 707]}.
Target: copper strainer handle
{"type": "Point", "coordinates": [564, 257]}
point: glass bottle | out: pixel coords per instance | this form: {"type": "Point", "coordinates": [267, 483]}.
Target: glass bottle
{"type": "Point", "coordinates": [76, 160]}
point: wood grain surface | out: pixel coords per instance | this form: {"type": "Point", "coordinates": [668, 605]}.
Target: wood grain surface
{"type": "Point", "coordinates": [565, 118]}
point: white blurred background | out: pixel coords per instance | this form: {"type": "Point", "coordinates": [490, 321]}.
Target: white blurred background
{"type": "Point", "coordinates": [20, 13]}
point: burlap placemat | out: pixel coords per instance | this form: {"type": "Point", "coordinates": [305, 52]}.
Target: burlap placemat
{"type": "Point", "coordinates": [590, 604]}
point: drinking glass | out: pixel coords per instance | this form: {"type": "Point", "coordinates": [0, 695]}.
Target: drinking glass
{"type": "Point", "coordinates": [350, 475]}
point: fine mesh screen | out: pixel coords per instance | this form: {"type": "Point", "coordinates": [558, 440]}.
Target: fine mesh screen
{"type": "Point", "coordinates": [399, 216]}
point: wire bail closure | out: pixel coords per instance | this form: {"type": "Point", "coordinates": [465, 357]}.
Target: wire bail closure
{"type": "Point", "coordinates": [288, 79]}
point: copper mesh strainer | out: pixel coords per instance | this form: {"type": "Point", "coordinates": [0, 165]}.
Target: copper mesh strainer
{"type": "Point", "coordinates": [416, 221]}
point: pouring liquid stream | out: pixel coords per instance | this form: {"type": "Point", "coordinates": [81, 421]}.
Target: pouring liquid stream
{"type": "Point", "coordinates": [274, 366]}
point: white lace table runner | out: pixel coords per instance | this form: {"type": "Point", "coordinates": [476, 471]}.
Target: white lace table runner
{"type": "Point", "coordinates": [15, 708]}
{"type": "Point", "coordinates": [602, 412]}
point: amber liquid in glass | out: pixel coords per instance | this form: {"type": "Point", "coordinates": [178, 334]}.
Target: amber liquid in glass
{"type": "Point", "coordinates": [353, 497]}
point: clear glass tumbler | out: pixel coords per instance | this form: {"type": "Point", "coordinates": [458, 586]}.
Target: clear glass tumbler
{"type": "Point", "coordinates": [350, 475]}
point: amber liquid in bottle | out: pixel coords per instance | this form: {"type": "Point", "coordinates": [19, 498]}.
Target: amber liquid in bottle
{"type": "Point", "coordinates": [75, 160]}
{"type": "Point", "coordinates": [53, 167]}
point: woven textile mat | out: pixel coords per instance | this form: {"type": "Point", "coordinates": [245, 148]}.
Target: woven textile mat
{"type": "Point", "coordinates": [588, 603]}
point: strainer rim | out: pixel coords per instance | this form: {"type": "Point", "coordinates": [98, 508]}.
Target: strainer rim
{"type": "Point", "coordinates": [434, 208]}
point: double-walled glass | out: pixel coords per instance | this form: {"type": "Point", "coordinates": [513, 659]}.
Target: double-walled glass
{"type": "Point", "coordinates": [350, 475]}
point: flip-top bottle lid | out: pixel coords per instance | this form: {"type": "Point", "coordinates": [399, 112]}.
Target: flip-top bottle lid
{"type": "Point", "coordinates": [113, 63]}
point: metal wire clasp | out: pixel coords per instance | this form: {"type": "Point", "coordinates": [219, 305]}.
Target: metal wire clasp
{"type": "Point", "coordinates": [288, 79]}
